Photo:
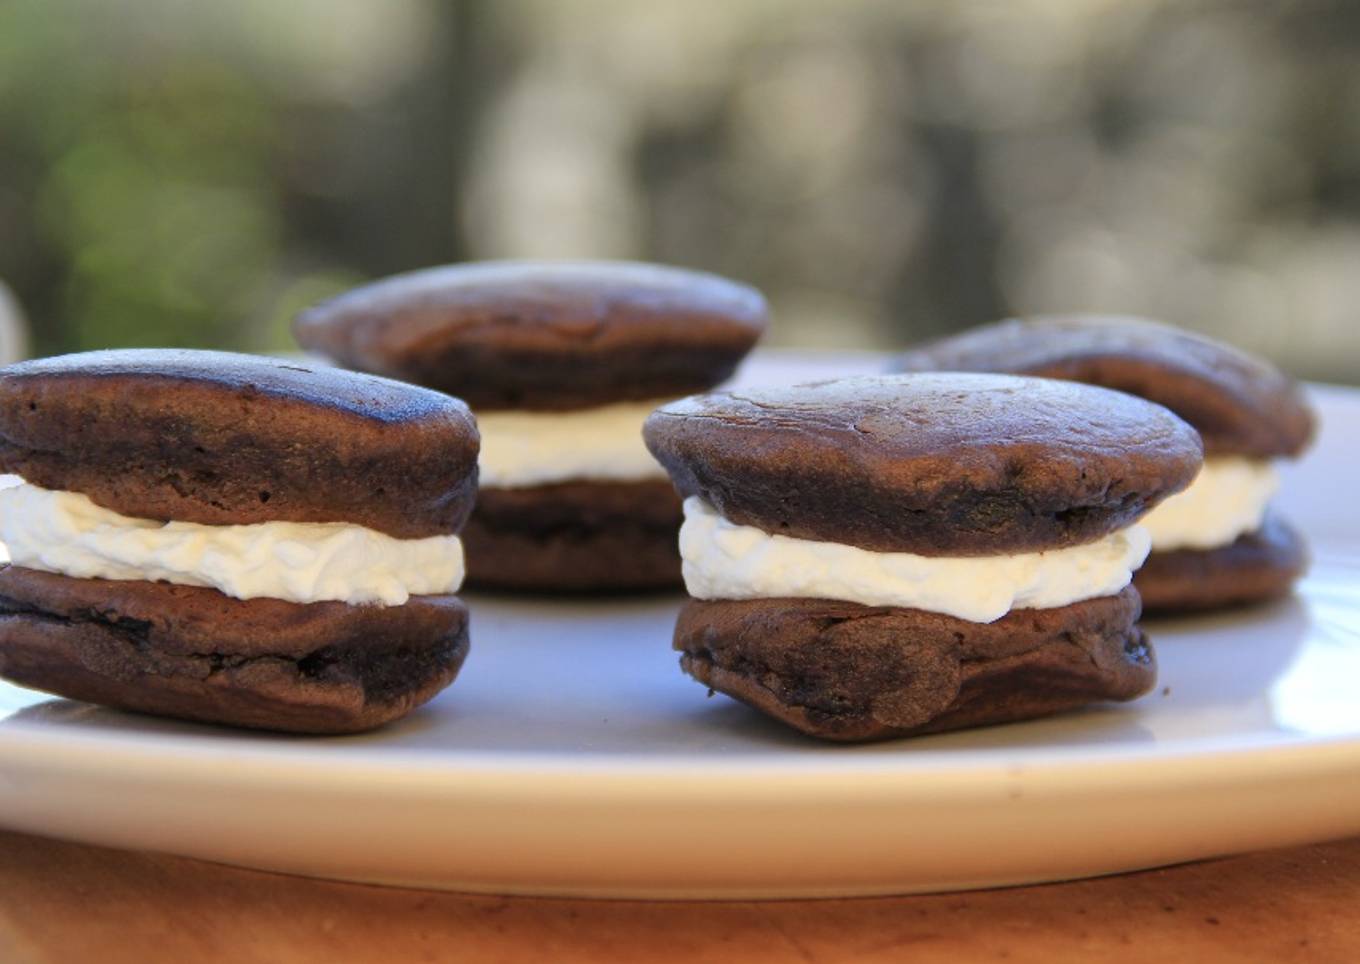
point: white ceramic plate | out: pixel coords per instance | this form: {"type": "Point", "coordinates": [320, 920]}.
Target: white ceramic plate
{"type": "Point", "coordinates": [572, 757]}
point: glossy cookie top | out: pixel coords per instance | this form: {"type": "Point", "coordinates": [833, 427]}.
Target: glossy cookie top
{"type": "Point", "coordinates": [226, 439]}
{"type": "Point", "coordinates": [1239, 403]}
{"type": "Point", "coordinates": [935, 464]}
{"type": "Point", "coordinates": [543, 334]}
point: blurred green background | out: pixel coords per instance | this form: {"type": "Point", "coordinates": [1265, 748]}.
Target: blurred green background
{"type": "Point", "coordinates": [177, 173]}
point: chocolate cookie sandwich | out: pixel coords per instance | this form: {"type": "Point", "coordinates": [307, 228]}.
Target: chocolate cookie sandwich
{"type": "Point", "coordinates": [232, 539]}
{"type": "Point", "coordinates": [881, 556]}
{"type": "Point", "coordinates": [1217, 543]}
{"type": "Point", "coordinates": [561, 361]}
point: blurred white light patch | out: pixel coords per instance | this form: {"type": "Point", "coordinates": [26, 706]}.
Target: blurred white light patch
{"type": "Point", "coordinates": [13, 328]}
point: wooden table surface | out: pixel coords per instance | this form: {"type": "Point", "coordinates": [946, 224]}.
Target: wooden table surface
{"type": "Point", "coordinates": [62, 902]}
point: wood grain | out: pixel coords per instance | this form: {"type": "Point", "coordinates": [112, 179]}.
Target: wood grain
{"type": "Point", "coordinates": [62, 902]}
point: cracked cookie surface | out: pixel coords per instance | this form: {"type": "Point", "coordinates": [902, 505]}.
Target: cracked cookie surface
{"type": "Point", "coordinates": [846, 672]}
{"type": "Point", "coordinates": [934, 464]}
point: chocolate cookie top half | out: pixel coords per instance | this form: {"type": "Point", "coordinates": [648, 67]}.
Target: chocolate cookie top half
{"type": "Point", "coordinates": [934, 464]}
{"type": "Point", "coordinates": [1240, 404]}
{"type": "Point", "coordinates": [226, 439]}
{"type": "Point", "coordinates": [543, 335]}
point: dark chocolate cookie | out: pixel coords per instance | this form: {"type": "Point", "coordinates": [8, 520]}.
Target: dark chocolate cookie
{"type": "Point", "coordinates": [196, 654]}
{"type": "Point", "coordinates": [575, 536]}
{"type": "Point", "coordinates": [1240, 404]}
{"type": "Point", "coordinates": [933, 464]}
{"type": "Point", "coordinates": [1259, 566]}
{"type": "Point", "coordinates": [842, 671]}
{"type": "Point", "coordinates": [543, 335]}
{"type": "Point", "coordinates": [224, 439]}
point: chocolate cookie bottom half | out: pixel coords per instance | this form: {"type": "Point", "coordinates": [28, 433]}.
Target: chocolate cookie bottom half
{"type": "Point", "coordinates": [575, 537]}
{"type": "Point", "coordinates": [847, 672]}
{"type": "Point", "coordinates": [197, 654]}
{"type": "Point", "coordinates": [1257, 567]}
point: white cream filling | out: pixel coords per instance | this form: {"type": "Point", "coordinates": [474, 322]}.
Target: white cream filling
{"type": "Point", "coordinates": [522, 449]}
{"type": "Point", "coordinates": [723, 560]}
{"type": "Point", "coordinates": [301, 562]}
{"type": "Point", "coordinates": [1228, 499]}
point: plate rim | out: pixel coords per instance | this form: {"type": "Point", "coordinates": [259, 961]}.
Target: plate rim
{"type": "Point", "coordinates": [1219, 757]}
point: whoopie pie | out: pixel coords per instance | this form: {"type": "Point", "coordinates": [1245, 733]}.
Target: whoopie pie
{"type": "Point", "coordinates": [1218, 543]}
{"type": "Point", "coordinates": [232, 539]}
{"type": "Point", "coordinates": [887, 555]}
{"type": "Point", "coordinates": [561, 361]}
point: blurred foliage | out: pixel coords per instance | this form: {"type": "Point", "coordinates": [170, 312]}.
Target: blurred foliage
{"type": "Point", "coordinates": [167, 222]}
{"type": "Point", "coordinates": [192, 174]}
{"type": "Point", "coordinates": [148, 192]}
{"type": "Point", "coordinates": [146, 197]}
